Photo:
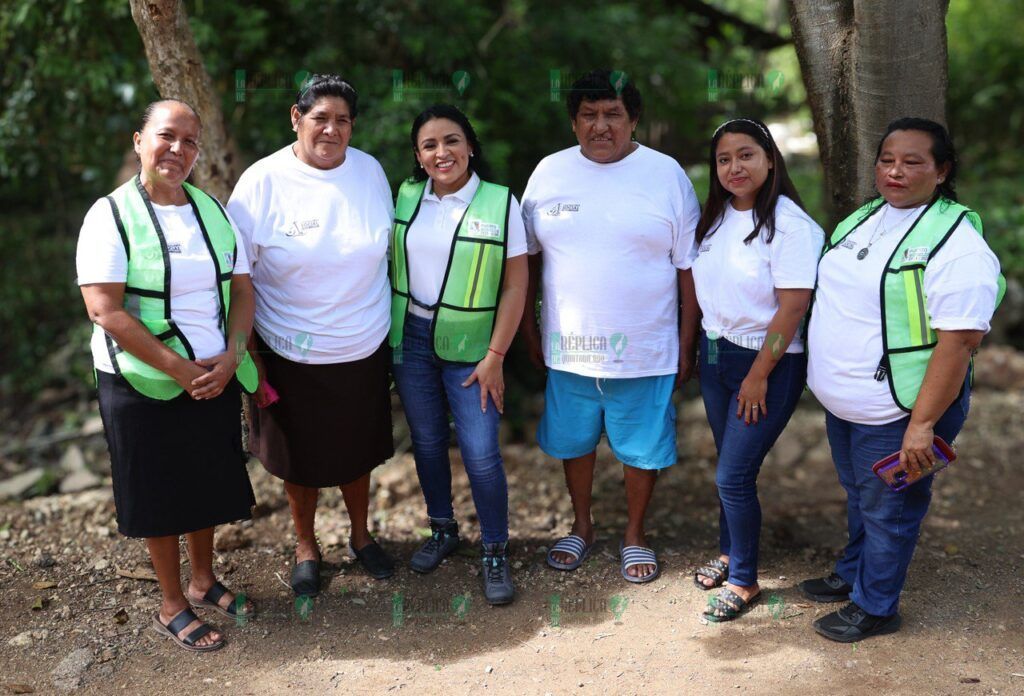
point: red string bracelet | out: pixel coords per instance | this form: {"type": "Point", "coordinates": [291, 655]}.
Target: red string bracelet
{"type": "Point", "coordinates": [495, 352]}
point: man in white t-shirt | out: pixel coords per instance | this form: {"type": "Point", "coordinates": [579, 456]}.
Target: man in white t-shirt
{"type": "Point", "coordinates": [613, 222]}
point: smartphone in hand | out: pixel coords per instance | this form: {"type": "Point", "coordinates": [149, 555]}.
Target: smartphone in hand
{"type": "Point", "coordinates": [899, 479]}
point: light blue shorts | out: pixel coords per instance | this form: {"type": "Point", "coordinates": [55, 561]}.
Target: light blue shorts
{"type": "Point", "coordinates": [636, 413]}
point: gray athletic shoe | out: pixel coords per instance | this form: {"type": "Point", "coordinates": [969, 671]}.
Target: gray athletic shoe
{"type": "Point", "coordinates": [498, 587]}
{"type": "Point", "coordinates": [443, 540]}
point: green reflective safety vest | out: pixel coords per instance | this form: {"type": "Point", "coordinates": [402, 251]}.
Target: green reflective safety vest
{"type": "Point", "coordinates": [907, 336]}
{"type": "Point", "coordinates": [467, 305]}
{"type": "Point", "coordinates": [148, 286]}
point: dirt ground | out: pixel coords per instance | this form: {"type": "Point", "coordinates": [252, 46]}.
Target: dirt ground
{"type": "Point", "coordinates": [71, 620]}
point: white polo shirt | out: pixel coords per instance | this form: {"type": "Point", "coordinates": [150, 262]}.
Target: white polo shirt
{"type": "Point", "coordinates": [317, 242]}
{"type": "Point", "coordinates": [429, 240]}
{"type": "Point", "coordinates": [736, 282]}
{"type": "Point", "coordinates": [614, 237]}
{"type": "Point", "coordinates": [845, 332]}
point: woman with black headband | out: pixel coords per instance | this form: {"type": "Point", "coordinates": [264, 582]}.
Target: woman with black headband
{"type": "Point", "coordinates": [757, 253]}
{"type": "Point", "coordinates": [315, 216]}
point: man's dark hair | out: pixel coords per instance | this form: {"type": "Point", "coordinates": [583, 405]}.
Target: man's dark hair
{"type": "Point", "coordinates": [602, 84]}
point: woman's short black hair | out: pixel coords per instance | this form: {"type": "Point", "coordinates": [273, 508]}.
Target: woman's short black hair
{"type": "Point", "coordinates": [477, 163]}
{"type": "Point", "coordinates": [318, 86]}
{"type": "Point", "coordinates": [942, 149]}
{"type": "Point", "coordinates": [151, 108]}
{"type": "Point", "coordinates": [601, 84]}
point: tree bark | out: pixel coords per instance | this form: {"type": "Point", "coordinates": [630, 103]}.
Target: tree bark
{"type": "Point", "coordinates": [178, 73]}
{"type": "Point", "coordinates": [865, 63]}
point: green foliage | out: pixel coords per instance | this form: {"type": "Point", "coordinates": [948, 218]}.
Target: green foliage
{"type": "Point", "coordinates": [986, 81]}
{"type": "Point", "coordinates": [74, 79]}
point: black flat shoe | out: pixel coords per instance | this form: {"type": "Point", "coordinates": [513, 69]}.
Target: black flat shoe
{"type": "Point", "coordinates": [375, 560]}
{"type": "Point", "coordinates": [830, 589]}
{"type": "Point", "coordinates": [851, 623]}
{"type": "Point", "coordinates": [306, 579]}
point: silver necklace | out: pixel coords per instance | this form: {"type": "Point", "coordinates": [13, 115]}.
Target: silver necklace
{"type": "Point", "coordinates": [862, 254]}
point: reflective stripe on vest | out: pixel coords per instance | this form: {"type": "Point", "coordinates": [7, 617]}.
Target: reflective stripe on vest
{"type": "Point", "coordinates": [467, 305]}
{"type": "Point", "coordinates": [148, 284]}
{"type": "Point", "coordinates": [908, 339]}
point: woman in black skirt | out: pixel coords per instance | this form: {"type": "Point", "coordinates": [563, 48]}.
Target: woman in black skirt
{"type": "Point", "coordinates": [315, 217]}
{"type": "Point", "coordinates": [166, 284]}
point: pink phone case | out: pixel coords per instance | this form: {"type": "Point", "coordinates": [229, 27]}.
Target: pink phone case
{"type": "Point", "coordinates": [896, 477]}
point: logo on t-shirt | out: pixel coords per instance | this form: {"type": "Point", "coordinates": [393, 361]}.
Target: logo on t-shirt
{"type": "Point", "coordinates": [174, 248]}
{"type": "Point", "coordinates": [704, 248]}
{"type": "Point", "coordinates": [847, 244]}
{"type": "Point", "coordinates": [558, 208]}
{"type": "Point", "coordinates": [301, 227]}
{"type": "Point", "coordinates": [479, 228]}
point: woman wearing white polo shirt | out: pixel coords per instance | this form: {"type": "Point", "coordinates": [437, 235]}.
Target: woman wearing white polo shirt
{"type": "Point", "coordinates": [315, 216]}
{"type": "Point", "coordinates": [906, 289]}
{"type": "Point", "coordinates": [458, 276]}
{"type": "Point", "coordinates": [754, 272]}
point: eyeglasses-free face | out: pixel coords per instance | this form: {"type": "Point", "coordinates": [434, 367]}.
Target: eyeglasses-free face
{"type": "Point", "coordinates": [323, 132]}
{"type": "Point", "coordinates": [905, 173]}
{"type": "Point", "coordinates": [742, 166]}
{"type": "Point", "coordinates": [168, 146]}
{"type": "Point", "coordinates": [604, 130]}
{"type": "Point", "coordinates": [443, 151]}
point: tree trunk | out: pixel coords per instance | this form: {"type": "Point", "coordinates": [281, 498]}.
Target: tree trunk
{"type": "Point", "coordinates": [865, 63]}
{"type": "Point", "coordinates": [178, 73]}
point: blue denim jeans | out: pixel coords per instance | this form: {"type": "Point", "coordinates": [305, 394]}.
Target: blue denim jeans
{"type": "Point", "coordinates": [741, 447]}
{"type": "Point", "coordinates": [883, 525]}
{"type": "Point", "coordinates": [429, 389]}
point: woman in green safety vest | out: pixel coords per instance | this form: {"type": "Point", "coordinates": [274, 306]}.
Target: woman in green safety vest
{"type": "Point", "coordinates": [166, 283]}
{"type": "Point", "coordinates": [906, 290]}
{"type": "Point", "coordinates": [458, 280]}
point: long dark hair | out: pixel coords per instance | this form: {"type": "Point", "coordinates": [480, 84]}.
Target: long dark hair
{"type": "Point", "coordinates": [777, 184]}
{"type": "Point", "coordinates": [477, 163]}
{"type": "Point", "coordinates": [942, 150]}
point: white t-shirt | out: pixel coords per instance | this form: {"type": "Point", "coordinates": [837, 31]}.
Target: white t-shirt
{"type": "Point", "coordinates": [736, 282]}
{"type": "Point", "coordinates": [195, 305]}
{"type": "Point", "coordinates": [614, 237]}
{"type": "Point", "coordinates": [317, 241]}
{"type": "Point", "coordinates": [845, 332]}
{"type": "Point", "coordinates": [429, 240]}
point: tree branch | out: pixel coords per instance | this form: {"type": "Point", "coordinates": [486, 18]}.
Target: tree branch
{"type": "Point", "coordinates": [753, 35]}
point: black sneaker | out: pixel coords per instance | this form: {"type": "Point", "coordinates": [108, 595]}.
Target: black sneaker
{"type": "Point", "coordinates": [851, 623]}
{"type": "Point", "coordinates": [498, 587]}
{"type": "Point", "coordinates": [443, 540]}
{"type": "Point", "coordinates": [830, 589]}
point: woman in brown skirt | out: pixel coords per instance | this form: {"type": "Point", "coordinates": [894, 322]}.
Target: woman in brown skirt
{"type": "Point", "coordinates": [167, 286]}
{"type": "Point", "coordinates": [315, 216]}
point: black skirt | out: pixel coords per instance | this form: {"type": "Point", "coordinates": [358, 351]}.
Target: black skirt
{"type": "Point", "coordinates": [178, 465]}
{"type": "Point", "coordinates": [332, 424]}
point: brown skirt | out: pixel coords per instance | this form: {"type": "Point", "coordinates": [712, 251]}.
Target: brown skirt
{"type": "Point", "coordinates": [332, 424]}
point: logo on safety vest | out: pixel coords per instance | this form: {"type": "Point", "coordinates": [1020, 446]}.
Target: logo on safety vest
{"type": "Point", "coordinates": [916, 254]}
{"type": "Point", "coordinates": [479, 228]}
